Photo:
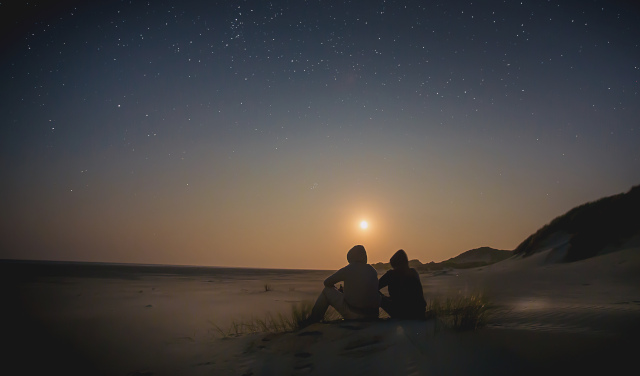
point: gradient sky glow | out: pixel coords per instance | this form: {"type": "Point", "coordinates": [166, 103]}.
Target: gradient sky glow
{"type": "Point", "coordinates": [261, 133]}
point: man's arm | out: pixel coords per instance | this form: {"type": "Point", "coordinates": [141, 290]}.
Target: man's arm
{"type": "Point", "coordinates": [334, 278]}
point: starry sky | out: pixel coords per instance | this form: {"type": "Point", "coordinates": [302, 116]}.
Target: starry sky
{"type": "Point", "coordinates": [261, 133]}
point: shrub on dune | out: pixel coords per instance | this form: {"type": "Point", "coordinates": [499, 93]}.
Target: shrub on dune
{"type": "Point", "coordinates": [270, 323]}
{"type": "Point", "coordinates": [460, 312]}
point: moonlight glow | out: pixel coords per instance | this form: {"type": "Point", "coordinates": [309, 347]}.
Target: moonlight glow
{"type": "Point", "coordinates": [364, 225]}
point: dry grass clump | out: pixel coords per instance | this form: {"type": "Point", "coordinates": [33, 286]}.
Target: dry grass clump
{"type": "Point", "coordinates": [460, 312]}
{"type": "Point", "coordinates": [270, 323]}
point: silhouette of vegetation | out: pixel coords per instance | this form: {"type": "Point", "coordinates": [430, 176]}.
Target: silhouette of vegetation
{"type": "Point", "coordinates": [457, 313]}
{"type": "Point", "coordinates": [592, 226]}
{"type": "Point", "coordinates": [270, 323]}
{"type": "Point", "coordinates": [460, 312]}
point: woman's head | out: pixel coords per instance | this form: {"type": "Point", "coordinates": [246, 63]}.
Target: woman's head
{"type": "Point", "coordinates": [399, 260]}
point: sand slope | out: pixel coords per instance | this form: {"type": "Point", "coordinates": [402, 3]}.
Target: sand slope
{"type": "Point", "coordinates": [415, 348]}
{"type": "Point", "coordinates": [547, 317]}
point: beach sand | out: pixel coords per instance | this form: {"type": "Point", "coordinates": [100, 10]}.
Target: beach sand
{"type": "Point", "coordinates": [545, 317]}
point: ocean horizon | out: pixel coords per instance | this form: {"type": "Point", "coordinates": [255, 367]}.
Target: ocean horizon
{"type": "Point", "coordinates": [25, 268]}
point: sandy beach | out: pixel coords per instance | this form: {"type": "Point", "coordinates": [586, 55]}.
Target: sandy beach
{"type": "Point", "coordinates": [179, 178]}
{"type": "Point", "coordinates": [545, 317]}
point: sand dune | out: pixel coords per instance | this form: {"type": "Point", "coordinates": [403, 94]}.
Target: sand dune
{"type": "Point", "coordinates": [546, 316]}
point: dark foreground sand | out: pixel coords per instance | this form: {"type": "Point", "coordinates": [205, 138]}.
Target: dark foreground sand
{"type": "Point", "coordinates": [546, 318]}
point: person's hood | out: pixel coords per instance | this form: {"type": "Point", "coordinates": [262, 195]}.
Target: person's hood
{"type": "Point", "coordinates": [357, 254]}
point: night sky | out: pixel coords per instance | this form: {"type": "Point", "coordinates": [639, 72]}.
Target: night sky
{"type": "Point", "coordinates": [260, 133]}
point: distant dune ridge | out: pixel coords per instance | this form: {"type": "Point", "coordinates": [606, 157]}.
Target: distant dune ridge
{"type": "Point", "coordinates": [591, 229]}
{"type": "Point", "coordinates": [585, 231]}
{"type": "Point", "coordinates": [470, 259]}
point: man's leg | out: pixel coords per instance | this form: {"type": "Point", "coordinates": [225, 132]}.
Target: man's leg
{"type": "Point", "coordinates": [319, 309]}
{"type": "Point", "coordinates": [330, 296]}
{"type": "Point", "coordinates": [336, 300]}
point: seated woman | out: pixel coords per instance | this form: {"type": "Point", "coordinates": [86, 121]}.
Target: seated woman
{"type": "Point", "coordinates": [406, 299]}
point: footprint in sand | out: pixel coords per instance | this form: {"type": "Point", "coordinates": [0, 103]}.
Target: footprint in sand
{"type": "Point", "coordinates": [310, 333]}
{"type": "Point", "coordinates": [364, 347]}
{"type": "Point", "coordinates": [302, 364]}
{"type": "Point", "coordinates": [303, 368]}
{"type": "Point", "coordinates": [351, 326]}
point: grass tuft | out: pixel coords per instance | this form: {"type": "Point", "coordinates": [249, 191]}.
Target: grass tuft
{"type": "Point", "coordinates": [457, 313]}
{"type": "Point", "coordinates": [270, 323]}
{"type": "Point", "coordinates": [460, 312]}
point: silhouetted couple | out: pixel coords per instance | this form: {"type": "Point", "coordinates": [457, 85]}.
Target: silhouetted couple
{"type": "Point", "coordinates": [361, 297]}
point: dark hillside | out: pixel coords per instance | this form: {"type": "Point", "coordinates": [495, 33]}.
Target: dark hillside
{"type": "Point", "coordinates": [592, 226]}
{"type": "Point", "coordinates": [482, 254]}
{"type": "Point", "coordinates": [469, 259]}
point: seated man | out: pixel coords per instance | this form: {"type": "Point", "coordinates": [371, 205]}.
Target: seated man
{"type": "Point", "coordinates": [360, 299]}
{"type": "Point", "coordinates": [406, 299]}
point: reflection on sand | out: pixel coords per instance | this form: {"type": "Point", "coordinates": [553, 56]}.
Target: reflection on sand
{"type": "Point", "coordinates": [530, 303]}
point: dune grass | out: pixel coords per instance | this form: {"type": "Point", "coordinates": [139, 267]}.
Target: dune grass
{"type": "Point", "coordinates": [459, 312]}
{"type": "Point", "coordinates": [270, 323]}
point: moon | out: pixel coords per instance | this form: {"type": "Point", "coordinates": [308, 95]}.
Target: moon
{"type": "Point", "coordinates": [364, 225]}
